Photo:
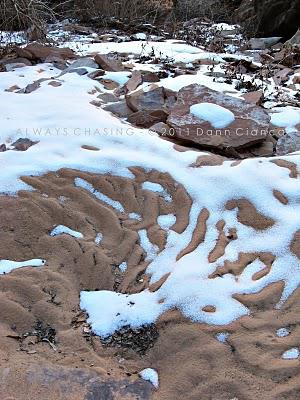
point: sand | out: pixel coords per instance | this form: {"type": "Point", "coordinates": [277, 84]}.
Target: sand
{"type": "Point", "coordinates": [192, 364]}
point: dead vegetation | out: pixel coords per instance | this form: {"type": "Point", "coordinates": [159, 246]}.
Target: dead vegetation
{"type": "Point", "coordinates": [26, 15]}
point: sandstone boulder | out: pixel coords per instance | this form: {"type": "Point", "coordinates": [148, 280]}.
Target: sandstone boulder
{"type": "Point", "coordinates": [220, 122]}
{"type": "Point", "coordinates": [108, 63]}
{"type": "Point", "coordinates": [119, 108]}
{"type": "Point", "coordinates": [135, 81]}
{"type": "Point", "coordinates": [84, 62]}
{"type": "Point", "coordinates": [255, 97]}
{"type": "Point", "coordinates": [23, 144]}
{"type": "Point", "coordinates": [38, 52]}
{"type": "Point", "coordinates": [154, 99]}
{"type": "Point", "coordinates": [147, 118]}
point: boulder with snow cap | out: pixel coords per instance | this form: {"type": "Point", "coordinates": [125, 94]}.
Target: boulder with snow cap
{"type": "Point", "coordinates": [206, 118]}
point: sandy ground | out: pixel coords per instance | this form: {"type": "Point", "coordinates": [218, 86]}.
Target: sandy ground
{"type": "Point", "coordinates": [191, 363]}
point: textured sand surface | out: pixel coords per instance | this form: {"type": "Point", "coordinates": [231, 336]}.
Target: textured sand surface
{"type": "Point", "coordinates": [191, 362]}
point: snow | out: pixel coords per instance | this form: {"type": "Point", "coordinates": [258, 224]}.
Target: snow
{"type": "Point", "coordinates": [7, 266]}
{"type": "Point", "coordinates": [120, 77]}
{"type": "Point", "coordinates": [166, 221]}
{"type": "Point", "coordinates": [140, 36]}
{"type": "Point", "coordinates": [282, 332]}
{"type": "Point", "coordinates": [291, 354]}
{"type": "Point", "coordinates": [218, 116]}
{"type": "Point", "coordinates": [156, 187]}
{"type": "Point", "coordinates": [123, 267]}
{"type": "Point", "coordinates": [11, 37]}
{"type": "Point", "coordinates": [98, 238]}
{"type": "Point", "coordinates": [222, 26]}
{"type": "Point", "coordinates": [87, 186]}
{"type": "Point", "coordinates": [104, 310]}
{"type": "Point", "coordinates": [169, 48]}
{"type": "Point", "coordinates": [61, 229]}
{"type": "Point", "coordinates": [151, 376]}
{"type": "Point", "coordinates": [222, 337]}
{"type": "Point", "coordinates": [149, 248]}
{"type": "Point", "coordinates": [135, 216]}
{"type": "Point", "coordinates": [286, 117]}
{"type": "Point", "coordinates": [181, 81]}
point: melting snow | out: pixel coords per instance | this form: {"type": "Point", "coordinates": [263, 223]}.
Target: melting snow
{"type": "Point", "coordinates": [98, 238]}
{"type": "Point", "coordinates": [282, 332]}
{"type": "Point", "coordinates": [135, 216]}
{"type": "Point", "coordinates": [150, 375]}
{"type": "Point", "coordinates": [123, 266]}
{"type": "Point", "coordinates": [7, 266]}
{"type": "Point", "coordinates": [156, 187]}
{"type": "Point", "coordinates": [89, 187]}
{"type": "Point", "coordinates": [166, 221]}
{"type": "Point", "coordinates": [291, 354]}
{"type": "Point", "coordinates": [149, 248]}
{"type": "Point", "coordinates": [222, 337]}
{"type": "Point", "coordinates": [61, 229]}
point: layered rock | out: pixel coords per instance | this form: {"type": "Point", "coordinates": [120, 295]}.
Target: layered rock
{"type": "Point", "coordinates": [247, 124]}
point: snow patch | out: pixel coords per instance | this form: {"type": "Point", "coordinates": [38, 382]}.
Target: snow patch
{"type": "Point", "coordinates": [123, 267]}
{"type": "Point", "coordinates": [7, 266]}
{"type": "Point", "coordinates": [222, 337]}
{"type": "Point", "coordinates": [150, 248]}
{"type": "Point", "coordinates": [218, 116]}
{"type": "Point", "coordinates": [98, 238]}
{"type": "Point", "coordinates": [282, 332]}
{"type": "Point", "coordinates": [61, 229]}
{"type": "Point", "coordinates": [291, 354]}
{"type": "Point", "coordinates": [156, 187]}
{"type": "Point", "coordinates": [166, 221]}
{"type": "Point", "coordinates": [151, 376]}
{"type": "Point", "coordinates": [89, 187]}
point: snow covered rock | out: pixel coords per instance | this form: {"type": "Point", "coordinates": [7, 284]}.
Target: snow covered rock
{"type": "Point", "coordinates": [203, 117]}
